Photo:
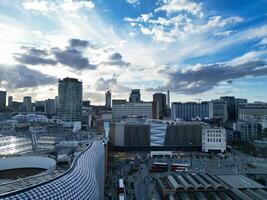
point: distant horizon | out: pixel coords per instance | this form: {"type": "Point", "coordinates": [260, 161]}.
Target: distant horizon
{"type": "Point", "coordinates": [199, 50]}
{"type": "Point", "coordinates": [142, 100]}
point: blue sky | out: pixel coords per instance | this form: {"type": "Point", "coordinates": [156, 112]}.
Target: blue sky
{"type": "Point", "coordinates": [196, 49]}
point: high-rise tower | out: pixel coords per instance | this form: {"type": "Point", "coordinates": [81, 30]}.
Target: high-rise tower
{"type": "Point", "coordinates": [108, 99]}
{"type": "Point", "coordinates": [70, 99]}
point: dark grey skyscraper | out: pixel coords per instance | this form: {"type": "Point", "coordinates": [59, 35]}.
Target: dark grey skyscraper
{"type": "Point", "coordinates": [135, 96]}
{"type": "Point", "coordinates": [231, 107]}
{"type": "Point", "coordinates": [50, 106]}
{"type": "Point", "coordinates": [159, 107]}
{"type": "Point", "coordinates": [27, 104]}
{"type": "Point", "coordinates": [10, 100]}
{"type": "Point", "coordinates": [108, 99]}
{"type": "Point", "coordinates": [70, 99]}
{"type": "Point", "coordinates": [2, 99]}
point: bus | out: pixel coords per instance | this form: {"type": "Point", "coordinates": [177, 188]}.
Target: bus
{"type": "Point", "coordinates": [175, 167]}
{"type": "Point", "coordinates": [159, 167]}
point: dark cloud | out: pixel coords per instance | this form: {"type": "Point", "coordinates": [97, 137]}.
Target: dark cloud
{"type": "Point", "coordinates": [116, 56]}
{"type": "Point", "coordinates": [72, 58]}
{"type": "Point", "coordinates": [36, 52]}
{"type": "Point", "coordinates": [116, 59]}
{"type": "Point", "coordinates": [77, 43]}
{"type": "Point", "coordinates": [34, 56]}
{"type": "Point", "coordinates": [33, 59]}
{"type": "Point", "coordinates": [202, 79]}
{"type": "Point", "coordinates": [110, 84]}
{"type": "Point", "coordinates": [19, 76]}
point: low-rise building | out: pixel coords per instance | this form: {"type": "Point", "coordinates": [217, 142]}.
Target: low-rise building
{"type": "Point", "coordinates": [126, 109]}
{"type": "Point", "coordinates": [190, 110]}
{"type": "Point", "coordinates": [249, 129]}
{"type": "Point", "coordinates": [213, 139]}
{"type": "Point", "coordinates": [252, 111]}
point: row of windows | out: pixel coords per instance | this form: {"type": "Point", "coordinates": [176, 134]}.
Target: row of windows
{"type": "Point", "coordinates": [214, 131]}
{"type": "Point", "coordinates": [214, 140]}
{"type": "Point", "coordinates": [214, 135]}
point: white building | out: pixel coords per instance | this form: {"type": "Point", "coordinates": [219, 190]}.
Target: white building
{"type": "Point", "coordinates": [142, 109]}
{"type": "Point", "coordinates": [213, 139]}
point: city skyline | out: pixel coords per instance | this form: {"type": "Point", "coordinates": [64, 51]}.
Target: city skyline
{"type": "Point", "coordinates": [195, 49]}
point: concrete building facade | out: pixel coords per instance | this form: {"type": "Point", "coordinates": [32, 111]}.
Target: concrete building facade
{"type": "Point", "coordinates": [183, 134]}
{"type": "Point", "coordinates": [190, 110]}
{"type": "Point", "coordinates": [132, 135]}
{"type": "Point", "coordinates": [249, 129]}
{"type": "Point", "coordinates": [252, 111]}
{"type": "Point", "coordinates": [213, 139]}
{"type": "Point", "coordinates": [142, 109]}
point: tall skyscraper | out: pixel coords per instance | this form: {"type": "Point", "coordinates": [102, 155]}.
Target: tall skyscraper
{"type": "Point", "coordinates": [56, 103]}
{"type": "Point", "coordinates": [218, 109]}
{"type": "Point", "coordinates": [108, 99]}
{"type": "Point", "coordinates": [168, 99]}
{"type": "Point", "coordinates": [231, 107]}
{"type": "Point", "coordinates": [135, 96]}
{"type": "Point", "coordinates": [10, 100]}
{"type": "Point", "coordinates": [159, 107]}
{"type": "Point", "coordinates": [50, 106]}
{"type": "Point", "coordinates": [27, 104]}
{"type": "Point", "coordinates": [2, 99]}
{"type": "Point", "coordinates": [70, 99]}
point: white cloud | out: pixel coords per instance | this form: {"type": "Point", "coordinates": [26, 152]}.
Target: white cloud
{"type": "Point", "coordinates": [133, 2]}
{"type": "Point", "coordinates": [172, 6]}
{"type": "Point", "coordinates": [218, 21]}
{"type": "Point", "coordinates": [171, 28]}
{"type": "Point", "coordinates": [37, 5]}
{"type": "Point", "coordinates": [248, 57]}
{"type": "Point", "coordinates": [263, 41]}
{"type": "Point", "coordinates": [224, 33]}
{"type": "Point", "coordinates": [70, 5]}
{"type": "Point", "coordinates": [67, 5]}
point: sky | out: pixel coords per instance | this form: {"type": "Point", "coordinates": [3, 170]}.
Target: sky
{"type": "Point", "coordinates": [198, 50]}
